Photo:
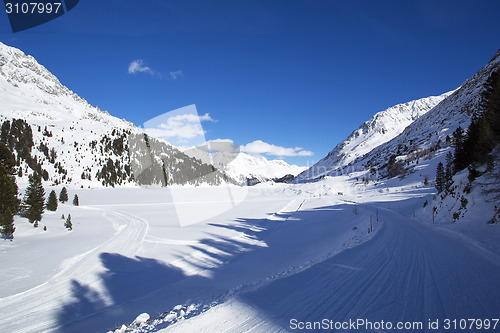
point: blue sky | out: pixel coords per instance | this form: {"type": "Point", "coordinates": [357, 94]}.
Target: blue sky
{"type": "Point", "coordinates": [273, 74]}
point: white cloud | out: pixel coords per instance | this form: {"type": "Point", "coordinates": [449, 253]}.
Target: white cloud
{"type": "Point", "coordinates": [183, 126]}
{"type": "Point", "coordinates": [175, 75]}
{"type": "Point", "coordinates": [137, 66]}
{"type": "Point", "coordinates": [261, 147]}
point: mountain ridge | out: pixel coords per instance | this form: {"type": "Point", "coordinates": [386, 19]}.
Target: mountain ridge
{"type": "Point", "coordinates": [422, 136]}
{"type": "Point", "coordinates": [381, 127]}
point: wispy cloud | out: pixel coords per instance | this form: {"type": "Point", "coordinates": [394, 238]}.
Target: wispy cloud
{"type": "Point", "coordinates": [175, 75]}
{"type": "Point", "coordinates": [261, 147]}
{"type": "Point", "coordinates": [137, 66]}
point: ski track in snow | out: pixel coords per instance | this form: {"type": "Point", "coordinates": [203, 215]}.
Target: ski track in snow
{"type": "Point", "coordinates": [306, 261]}
{"type": "Point", "coordinates": [130, 233]}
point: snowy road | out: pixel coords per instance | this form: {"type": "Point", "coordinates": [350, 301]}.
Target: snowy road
{"type": "Point", "coordinates": [408, 272]}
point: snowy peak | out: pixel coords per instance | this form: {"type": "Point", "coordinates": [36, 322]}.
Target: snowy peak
{"type": "Point", "coordinates": [249, 169]}
{"type": "Point", "coordinates": [21, 69]}
{"type": "Point", "coordinates": [430, 132]}
{"type": "Point", "coordinates": [382, 127]}
{"type": "Point", "coordinates": [30, 90]}
{"type": "Point", "coordinates": [246, 169]}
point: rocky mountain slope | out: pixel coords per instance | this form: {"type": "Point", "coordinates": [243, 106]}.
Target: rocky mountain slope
{"type": "Point", "coordinates": [417, 131]}
{"type": "Point", "coordinates": [382, 127]}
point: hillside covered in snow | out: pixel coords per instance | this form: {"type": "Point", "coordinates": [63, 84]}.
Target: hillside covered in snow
{"type": "Point", "coordinates": [382, 127]}
{"type": "Point", "coordinates": [57, 134]}
{"type": "Point", "coordinates": [393, 142]}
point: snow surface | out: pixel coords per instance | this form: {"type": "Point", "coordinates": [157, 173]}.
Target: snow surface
{"type": "Point", "coordinates": [284, 251]}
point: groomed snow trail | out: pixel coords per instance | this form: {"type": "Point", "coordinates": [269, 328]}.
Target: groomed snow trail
{"type": "Point", "coordinates": [409, 272]}
{"type": "Point", "coordinates": [30, 313]}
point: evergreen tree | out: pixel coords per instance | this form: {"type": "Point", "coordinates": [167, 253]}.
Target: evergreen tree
{"type": "Point", "coordinates": [7, 224]}
{"type": "Point", "coordinates": [52, 201]}
{"type": "Point", "coordinates": [9, 203]}
{"type": "Point", "coordinates": [76, 201]}
{"type": "Point", "coordinates": [448, 170]}
{"type": "Point", "coordinates": [458, 142]}
{"type": "Point", "coordinates": [440, 177]}
{"type": "Point", "coordinates": [68, 223]}
{"type": "Point", "coordinates": [63, 196]}
{"type": "Point", "coordinates": [483, 133]}
{"type": "Point", "coordinates": [34, 199]}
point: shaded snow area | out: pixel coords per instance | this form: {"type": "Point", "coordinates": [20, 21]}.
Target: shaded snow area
{"type": "Point", "coordinates": [273, 258]}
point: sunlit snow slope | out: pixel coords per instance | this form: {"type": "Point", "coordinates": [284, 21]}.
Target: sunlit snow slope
{"type": "Point", "coordinates": [382, 127]}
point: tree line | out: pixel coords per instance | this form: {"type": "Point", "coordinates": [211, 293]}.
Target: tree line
{"type": "Point", "coordinates": [33, 204]}
{"type": "Point", "coordinates": [473, 147]}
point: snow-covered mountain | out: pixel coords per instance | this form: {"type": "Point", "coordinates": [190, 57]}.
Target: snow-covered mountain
{"type": "Point", "coordinates": [250, 169]}
{"type": "Point", "coordinates": [246, 169]}
{"type": "Point", "coordinates": [415, 130]}
{"type": "Point", "coordinates": [382, 127]}
{"type": "Point", "coordinates": [57, 133]}
{"type": "Point", "coordinates": [433, 131]}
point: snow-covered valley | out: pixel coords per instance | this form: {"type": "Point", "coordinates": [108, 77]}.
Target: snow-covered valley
{"type": "Point", "coordinates": [275, 253]}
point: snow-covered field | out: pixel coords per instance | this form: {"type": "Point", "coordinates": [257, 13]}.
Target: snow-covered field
{"type": "Point", "coordinates": [240, 259]}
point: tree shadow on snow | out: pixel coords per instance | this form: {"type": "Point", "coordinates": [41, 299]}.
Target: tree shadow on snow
{"type": "Point", "coordinates": [368, 281]}
{"type": "Point", "coordinates": [131, 286]}
{"type": "Point", "coordinates": [125, 279]}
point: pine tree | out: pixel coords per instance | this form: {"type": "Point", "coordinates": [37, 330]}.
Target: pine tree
{"type": "Point", "coordinates": [52, 201]}
{"type": "Point", "coordinates": [7, 224]}
{"type": "Point", "coordinates": [68, 223]}
{"type": "Point", "coordinates": [483, 133]}
{"type": "Point", "coordinates": [63, 196]}
{"type": "Point", "coordinates": [76, 201]}
{"type": "Point", "coordinates": [440, 177]}
{"type": "Point", "coordinates": [448, 170]}
{"type": "Point", "coordinates": [34, 199]}
{"type": "Point", "coordinates": [458, 142]}
{"type": "Point", "coordinates": [9, 203]}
